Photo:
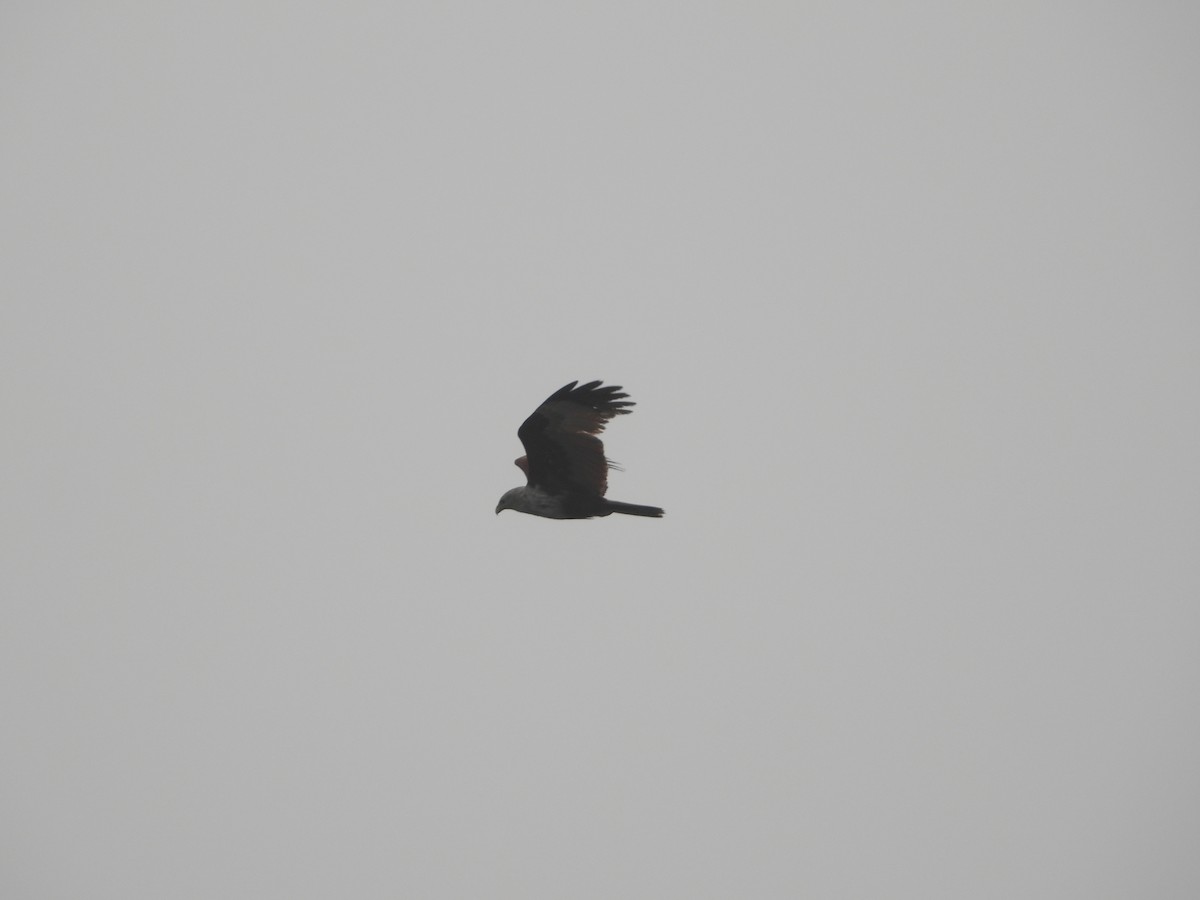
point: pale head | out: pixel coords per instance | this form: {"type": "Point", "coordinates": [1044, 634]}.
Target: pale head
{"type": "Point", "coordinates": [512, 500]}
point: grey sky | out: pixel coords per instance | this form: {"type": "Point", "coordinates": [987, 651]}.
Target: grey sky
{"type": "Point", "coordinates": [908, 296]}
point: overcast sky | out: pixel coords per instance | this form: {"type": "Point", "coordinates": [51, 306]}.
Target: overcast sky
{"type": "Point", "coordinates": [908, 297]}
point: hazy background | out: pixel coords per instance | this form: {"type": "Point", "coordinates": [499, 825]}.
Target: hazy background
{"type": "Point", "coordinates": [908, 296]}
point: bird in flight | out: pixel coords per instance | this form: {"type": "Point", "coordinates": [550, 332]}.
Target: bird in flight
{"type": "Point", "coordinates": [564, 460]}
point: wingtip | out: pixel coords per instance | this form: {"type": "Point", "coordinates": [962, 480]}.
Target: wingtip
{"type": "Point", "coordinates": [609, 397]}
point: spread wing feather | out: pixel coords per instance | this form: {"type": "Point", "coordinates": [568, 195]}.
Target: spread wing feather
{"type": "Point", "coordinates": [562, 450]}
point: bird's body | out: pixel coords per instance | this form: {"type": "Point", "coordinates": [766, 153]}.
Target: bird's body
{"type": "Point", "coordinates": [564, 462]}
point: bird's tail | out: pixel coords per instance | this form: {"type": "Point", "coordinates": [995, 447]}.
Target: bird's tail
{"type": "Point", "coordinates": [632, 509]}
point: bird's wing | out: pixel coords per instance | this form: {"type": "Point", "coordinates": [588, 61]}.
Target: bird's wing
{"type": "Point", "coordinates": [560, 437]}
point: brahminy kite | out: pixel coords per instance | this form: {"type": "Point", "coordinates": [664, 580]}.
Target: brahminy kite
{"type": "Point", "coordinates": [564, 461]}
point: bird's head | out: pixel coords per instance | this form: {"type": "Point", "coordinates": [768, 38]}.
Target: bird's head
{"type": "Point", "coordinates": [510, 500]}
